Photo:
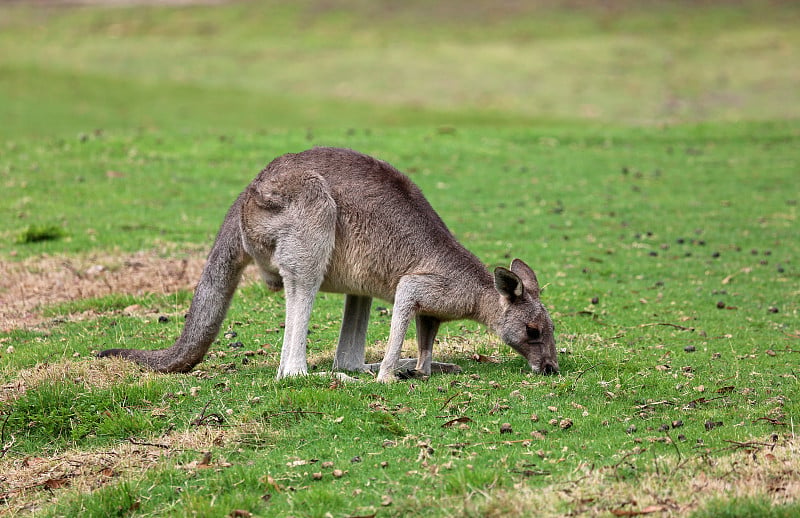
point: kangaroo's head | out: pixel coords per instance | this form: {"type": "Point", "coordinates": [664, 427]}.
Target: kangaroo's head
{"type": "Point", "coordinates": [525, 324]}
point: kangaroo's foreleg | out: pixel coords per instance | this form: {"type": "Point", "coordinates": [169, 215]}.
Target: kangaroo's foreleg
{"type": "Point", "coordinates": [415, 293]}
{"type": "Point", "coordinates": [350, 351]}
{"type": "Point", "coordinates": [427, 327]}
{"type": "Point", "coordinates": [213, 294]}
{"type": "Point", "coordinates": [403, 311]}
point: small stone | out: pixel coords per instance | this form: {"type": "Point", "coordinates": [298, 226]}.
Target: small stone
{"type": "Point", "coordinates": [506, 428]}
{"type": "Point", "coordinates": [337, 473]}
{"type": "Point", "coordinates": [677, 423]}
{"type": "Point", "coordinates": [690, 348]}
{"type": "Point", "coordinates": [327, 464]}
{"type": "Point", "coordinates": [316, 476]}
{"type": "Point", "coordinates": [565, 424]}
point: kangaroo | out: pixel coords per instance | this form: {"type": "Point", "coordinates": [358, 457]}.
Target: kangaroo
{"type": "Point", "coordinates": [335, 220]}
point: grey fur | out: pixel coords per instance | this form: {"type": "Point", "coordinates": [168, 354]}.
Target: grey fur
{"type": "Point", "coordinates": [335, 220]}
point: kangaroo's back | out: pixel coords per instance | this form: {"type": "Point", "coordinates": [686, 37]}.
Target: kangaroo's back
{"type": "Point", "coordinates": [385, 227]}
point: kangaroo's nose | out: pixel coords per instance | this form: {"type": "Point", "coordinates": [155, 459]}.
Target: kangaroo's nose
{"type": "Point", "coordinates": [549, 367]}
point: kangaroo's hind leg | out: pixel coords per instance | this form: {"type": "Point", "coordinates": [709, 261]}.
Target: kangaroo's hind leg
{"type": "Point", "coordinates": [350, 351]}
{"type": "Point", "coordinates": [289, 225]}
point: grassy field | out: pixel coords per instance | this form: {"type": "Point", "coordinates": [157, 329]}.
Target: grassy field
{"type": "Point", "coordinates": [643, 160]}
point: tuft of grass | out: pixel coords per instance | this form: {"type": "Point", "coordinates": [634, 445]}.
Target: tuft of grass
{"type": "Point", "coordinates": [39, 233]}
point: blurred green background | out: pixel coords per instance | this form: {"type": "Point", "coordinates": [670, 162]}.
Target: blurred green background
{"type": "Point", "coordinates": [67, 67]}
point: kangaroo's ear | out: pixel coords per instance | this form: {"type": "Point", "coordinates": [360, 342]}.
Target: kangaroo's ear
{"type": "Point", "coordinates": [527, 275]}
{"type": "Point", "coordinates": [508, 284]}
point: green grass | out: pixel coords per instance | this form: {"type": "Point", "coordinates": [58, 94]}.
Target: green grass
{"type": "Point", "coordinates": [650, 222]}
{"type": "Point", "coordinates": [644, 161]}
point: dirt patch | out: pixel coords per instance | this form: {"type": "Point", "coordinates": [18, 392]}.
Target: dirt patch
{"type": "Point", "coordinates": [28, 286]}
{"type": "Point", "coordinates": [31, 483]}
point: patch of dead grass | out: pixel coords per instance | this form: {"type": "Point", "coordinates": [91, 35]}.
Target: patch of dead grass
{"type": "Point", "coordinates": [668, 487]}
{"type": "Point", "coordinates": [99, 374]}
{"type": "Point", "coordinates": [32, 482]}
{"type": "Point", "coordinates": [26, 287]}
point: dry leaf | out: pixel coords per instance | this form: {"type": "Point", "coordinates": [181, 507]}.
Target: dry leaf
{"type": "Point", "coordinates": [56, 483]}
{"type": "Point", "coordinates": [271, 482]}
{"type": "Point", "coordinates": [482, 358]}
{"type": "Point", "coordinates": [451, 422]}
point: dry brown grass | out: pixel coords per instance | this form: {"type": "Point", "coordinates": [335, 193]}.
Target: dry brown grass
{"type": "Point", "coordinates": [31, 482]}
{"type": "Point", "coordinates": [669, 487]}
{"type": "Point", "coordinates": [26, 287]}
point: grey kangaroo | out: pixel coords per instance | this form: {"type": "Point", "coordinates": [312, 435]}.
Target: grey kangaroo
{"type": "Point", "coordinates": [339, 221]}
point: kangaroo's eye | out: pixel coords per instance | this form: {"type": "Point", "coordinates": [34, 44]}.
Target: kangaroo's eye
{"type": "Point", "coordinates": [533, 333]}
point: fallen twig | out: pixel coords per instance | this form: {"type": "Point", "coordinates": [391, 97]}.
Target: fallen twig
{"type": "Point", "coordinates": [141, 443]}
{"type": "Point", "coordinates": [748, 444]}
{"type": "Point", "coordinates": [6, 447]}
{"type": "Point", "coordinates": [270, 416]}
{"type": "Point", "coordinates": [469, 444]}
{"type": "Point", "coordinates": [201, 420]}
{"type": "Point", "coordinates": [669, 324]}
{"type": "Point", "coordinates": [449, 400]}
{"type": "Point", "coordinates": [770, 420]}
{"type": "Point", "coordinates": [584, 371]}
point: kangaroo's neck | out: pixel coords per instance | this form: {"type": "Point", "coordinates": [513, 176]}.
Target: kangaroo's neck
{"type": "Point", "coordinates": [487, 305]}
{"type": "Point", "coordinates": [474, 286]}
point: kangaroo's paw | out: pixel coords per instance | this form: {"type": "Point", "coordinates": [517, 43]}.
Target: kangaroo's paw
{"type": "Point", "coordinates": [341, 376]}
{"type": "Point", "coordinates": [403, 364]}
{"type": "Point", "coordinates": [409, 365]}
{"type": "Point", "coordinates": [445, 368]}
{"type": "Point", "coordinates": [387, 377]}
{"type": "Point", "coordinates": [411, 374]}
